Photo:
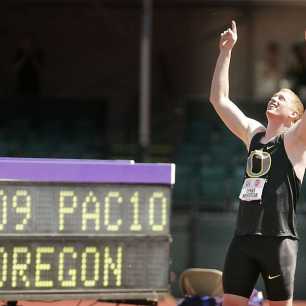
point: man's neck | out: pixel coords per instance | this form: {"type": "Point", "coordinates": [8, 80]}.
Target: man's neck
{"type": "Point", "coordinates": [274, 129]}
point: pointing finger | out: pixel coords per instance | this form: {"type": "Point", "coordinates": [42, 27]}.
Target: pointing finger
{"type": "Point", "coordinates": [234, 28]}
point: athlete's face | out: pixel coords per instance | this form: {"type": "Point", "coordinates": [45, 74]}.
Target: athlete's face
{"type": "Point", "coordinates": [281, 106]}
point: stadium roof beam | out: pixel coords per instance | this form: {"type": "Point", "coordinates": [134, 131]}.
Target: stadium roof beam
{"type": "Point", "coordinates": [166, 4]}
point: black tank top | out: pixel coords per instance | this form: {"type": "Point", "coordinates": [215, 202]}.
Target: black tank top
{"type": "Point", "coordinates": [274, 214]}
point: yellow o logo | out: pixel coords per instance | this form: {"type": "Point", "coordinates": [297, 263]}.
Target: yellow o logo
{"type": "Point", "coordinates": [264, 160]}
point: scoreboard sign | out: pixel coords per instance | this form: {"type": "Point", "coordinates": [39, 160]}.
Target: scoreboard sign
{"type": "Point", "coordinates": [83, 228]}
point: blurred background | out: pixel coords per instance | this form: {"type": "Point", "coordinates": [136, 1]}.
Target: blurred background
{"type": "Point", "coordinates": [130, 79]}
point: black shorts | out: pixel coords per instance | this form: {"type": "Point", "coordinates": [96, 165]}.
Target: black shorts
{"type": "Point", "coordinates": [273, 257]}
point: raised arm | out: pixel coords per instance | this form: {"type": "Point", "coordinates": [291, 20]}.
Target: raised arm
{"type": "Point", "coordinates": [242, 126]}
{"type": "Point", "coordinates": [297, 135]}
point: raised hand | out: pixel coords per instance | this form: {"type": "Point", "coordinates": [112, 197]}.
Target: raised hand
{"type": "Point", "coordinates": [228, 38]}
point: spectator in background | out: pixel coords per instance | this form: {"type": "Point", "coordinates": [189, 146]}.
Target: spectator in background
{"type": "Point", "coordinates": [27, 67]}
{"type": "Point", "coordinates": [296, 71]}
{"type": "Point", "coordinates": [268, 72]}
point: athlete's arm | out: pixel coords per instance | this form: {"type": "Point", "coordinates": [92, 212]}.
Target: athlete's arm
{"type": "Point", "coordinates": [295, 145]}
{"type": "Point", "coordinates": [242, 126]}
{"type": "Point", "coordinates": [297, 133]}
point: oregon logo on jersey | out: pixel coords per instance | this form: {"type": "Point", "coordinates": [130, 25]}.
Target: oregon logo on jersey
{"type": "Point", "coordinates": [258, 163]}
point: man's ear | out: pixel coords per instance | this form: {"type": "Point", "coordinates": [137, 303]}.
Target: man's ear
{"type": "Point", "coordinates": [294, 116]}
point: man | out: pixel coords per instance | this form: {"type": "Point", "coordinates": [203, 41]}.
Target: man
{"type": "Point", "coordinates": [265, 240]}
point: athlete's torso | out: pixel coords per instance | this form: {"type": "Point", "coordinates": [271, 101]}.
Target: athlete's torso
{"type": "Point", "coordinates": [269, 171]}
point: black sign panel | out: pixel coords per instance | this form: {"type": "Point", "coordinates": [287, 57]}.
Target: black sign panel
{"type": "Point", "coordinates": [83, 264]}
{"type": "Point", "coordinates": [83, 209]}
{"type": "Point", "coordinates": [83, 238]}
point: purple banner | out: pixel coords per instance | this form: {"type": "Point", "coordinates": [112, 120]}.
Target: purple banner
{"type": "Point", "coordinates": [85, 171]}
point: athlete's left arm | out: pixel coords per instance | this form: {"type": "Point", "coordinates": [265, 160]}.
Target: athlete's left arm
{"type": "Point", "coordinates": [295, 146]}
{"type": "Point", "coordinates": [298, 131]}
{"type": "Point", "coordinates": [297, 134]}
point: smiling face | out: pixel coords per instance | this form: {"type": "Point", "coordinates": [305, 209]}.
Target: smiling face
{"type": "Point", "coordinates": [284, 106]}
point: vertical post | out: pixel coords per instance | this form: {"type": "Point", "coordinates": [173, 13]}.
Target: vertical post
{"type": "Point", "coordinates": [145, 79]}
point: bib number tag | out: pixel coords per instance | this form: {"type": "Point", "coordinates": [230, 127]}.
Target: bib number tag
{"type": "Point", "coordinates": [252, 189]}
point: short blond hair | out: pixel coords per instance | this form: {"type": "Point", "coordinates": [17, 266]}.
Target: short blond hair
{"type": "Point", "coordinates": [297, 103]}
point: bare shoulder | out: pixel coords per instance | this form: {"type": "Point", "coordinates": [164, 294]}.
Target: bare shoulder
{"type": "Point", "coordinates": [254, 127]}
